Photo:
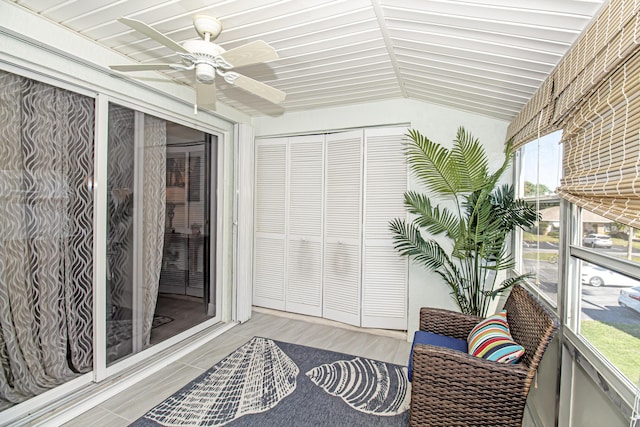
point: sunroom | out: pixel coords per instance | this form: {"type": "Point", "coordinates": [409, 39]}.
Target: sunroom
{"type": "Point", "coordinates": [150, 226]}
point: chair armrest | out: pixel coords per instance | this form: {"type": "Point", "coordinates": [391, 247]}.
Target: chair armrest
{"type": "Point", "coordinates": [451, 387]}
{"type": "Point", "coordinates": [447, 322]}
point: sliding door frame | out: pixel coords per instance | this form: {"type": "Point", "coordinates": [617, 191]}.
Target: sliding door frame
{"type": "Point", "coordinates": [62, 70]}
{"type": "Point", "coordinates": [215, 258]}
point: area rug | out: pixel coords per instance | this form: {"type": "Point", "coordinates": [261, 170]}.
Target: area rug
{"type": "Point", "coordinates": [272, 383]}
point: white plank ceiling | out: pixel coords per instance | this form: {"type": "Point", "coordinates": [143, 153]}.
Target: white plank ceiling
{"type": "Point", "coordinates": [483, 56]}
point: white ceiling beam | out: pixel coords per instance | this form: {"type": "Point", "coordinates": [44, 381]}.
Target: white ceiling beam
{"type": "Point", "coordinates": [389, 44]}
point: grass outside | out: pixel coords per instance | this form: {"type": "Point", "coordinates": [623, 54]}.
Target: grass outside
{"type": "Point", "coordinates": [530, 237]}
{"type": "Point", "coordinates": [618, 342]}
{"type": "Point", "coordinates": [544, 256]}
{"type": "Point", "coordinates": [622, 242]}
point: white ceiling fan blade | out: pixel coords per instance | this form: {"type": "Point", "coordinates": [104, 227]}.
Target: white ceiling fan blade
{"type": "Point", "coordinates": [141, 67]}
{"type": "Point", "coordinates": [206, 96]}
{"type": "Point", "coordinates": [153, 34]}
{"type": "Point", "coordinates": [258, 88]}
{"type": "Point", "coordinates": [250, 53]}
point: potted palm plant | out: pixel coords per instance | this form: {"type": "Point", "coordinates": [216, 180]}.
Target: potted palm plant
{"type": "Point", "coordinates": [478, 223]}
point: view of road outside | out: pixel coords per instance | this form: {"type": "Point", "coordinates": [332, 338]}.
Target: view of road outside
{"type": "Point", "coordinates": [609, 308]}
{"type": "Point", "coordinates": [541, 260]}
{"type": "Point", "coordinates": [610, 322]}
{"type": "Point", "coordinates": [610, 316]}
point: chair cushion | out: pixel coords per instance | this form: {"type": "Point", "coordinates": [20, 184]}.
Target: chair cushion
{"type": "Point", "coordinates": [491, 340]}
{"type": "Point", "coordinates": [422, 337]}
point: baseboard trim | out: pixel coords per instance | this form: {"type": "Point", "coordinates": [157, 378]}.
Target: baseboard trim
{"type": "Point", "coordinates": [321, 321]}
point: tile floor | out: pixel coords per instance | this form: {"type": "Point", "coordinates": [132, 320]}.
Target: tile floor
{"type": "Point", "coordinates": [128, 406]}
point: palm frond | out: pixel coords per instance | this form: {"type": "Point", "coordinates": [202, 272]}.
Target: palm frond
{"type": "Point", "coordinates": [495, 177]}
{"type": "Point", "coordinates": [409, 242]}
{"type": "Point", "coordinates": [470, 160]}
{"type": "Point", "coordinates": [507, 283]}
{"type": "Point", "coordinates": [513, 212]}
{"type": "Point", "coordinates": [430, 162]}
{"type": "Point", "coordinates": [434, 219]}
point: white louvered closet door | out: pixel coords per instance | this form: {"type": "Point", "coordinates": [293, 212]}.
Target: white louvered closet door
{"type": "Point", "coordinates": [304, 234]}
{"type": "Point", "coordinates": [270, 223]}
{"type": "Point", "coordinates": [385, 273]}
{"type": "Point", "coordinates": [342, 264]}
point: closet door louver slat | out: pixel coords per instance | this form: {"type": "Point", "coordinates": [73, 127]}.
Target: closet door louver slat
{"type": "Point", "coordinates": [270, 223]}
{"type": "Point", "coordinates": [304, 241]}
{"type": "Point", "coordinates": [385, 273]}
{"type": "Point", "coordinates": [343, 218]}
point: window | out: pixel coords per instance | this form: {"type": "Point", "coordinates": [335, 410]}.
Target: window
{"type": "Point", "coordinates": [602, 303]}
{"type": "Point", "coordinates": [540, 166]}
{"type": "Point", "coordinates": [608, 312]}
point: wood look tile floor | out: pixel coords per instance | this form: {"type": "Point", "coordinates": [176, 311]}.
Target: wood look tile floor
{"type": "Point", "coordinates": [126, 407]}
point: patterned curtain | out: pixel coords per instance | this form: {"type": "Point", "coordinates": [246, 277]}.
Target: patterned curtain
{"type": "Point", "coordinates": [120, 309]}
{"type": "Point", "coordinates": [46, 237]}
{"type": "Point", "coordinates": [154, 202]}
{"type": "Point", "coordinates": [120, 231]}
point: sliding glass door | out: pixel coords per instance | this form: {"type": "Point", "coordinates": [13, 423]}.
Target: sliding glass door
{"type": "Point", "coordinates": [160, 263]}
{"type": "Point", "coordinates": [46, 237]}
{"type": "Point", "coordinates": [158, 238]}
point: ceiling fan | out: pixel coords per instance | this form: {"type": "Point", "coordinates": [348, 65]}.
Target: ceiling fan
{"type": "Point", "coordinates": [208, 59]}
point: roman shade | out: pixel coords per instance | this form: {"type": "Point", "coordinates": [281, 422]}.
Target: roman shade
{"type": "Point", "coordinates": [602, 148]}
{"type": "Point", "coordinates": [534, 118]}
{"type": "Point", "coordinates": [608, 42]}
{"type": "Point", "coordinates": [594, 97]}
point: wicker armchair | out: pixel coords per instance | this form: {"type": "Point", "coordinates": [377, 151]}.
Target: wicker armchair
{"type": "Point", "coordinates": [452, 388]}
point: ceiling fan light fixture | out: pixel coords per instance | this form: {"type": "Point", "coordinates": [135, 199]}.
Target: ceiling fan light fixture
{"type": "Point", "coordinates": [205, 73]}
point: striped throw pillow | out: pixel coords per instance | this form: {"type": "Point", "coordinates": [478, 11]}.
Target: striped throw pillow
{"type": "Point", "coordinates": [491, 339]}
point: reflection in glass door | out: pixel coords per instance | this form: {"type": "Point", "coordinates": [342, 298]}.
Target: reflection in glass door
{"type": "Point", "coordinates": [159, 210]}
{"type": "Point", "coordinates": [183, 269]}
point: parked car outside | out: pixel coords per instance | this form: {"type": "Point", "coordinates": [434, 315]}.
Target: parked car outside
{"type": "Point", "coordinates": [630, 298]}
{"type": "Point", "coordinates": [596, 276]}
{"type": "Point", "coordinates": [597, 241]}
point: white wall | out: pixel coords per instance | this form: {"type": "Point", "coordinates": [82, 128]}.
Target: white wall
{"type": "Point", "coordinates": [589, 407]}
{"type": "Point", "coordinates": [582, 403]}
{"type": "Point", "coordinates": [437, 123]}
{"type": "Point", "coordinates": [541, 402]}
